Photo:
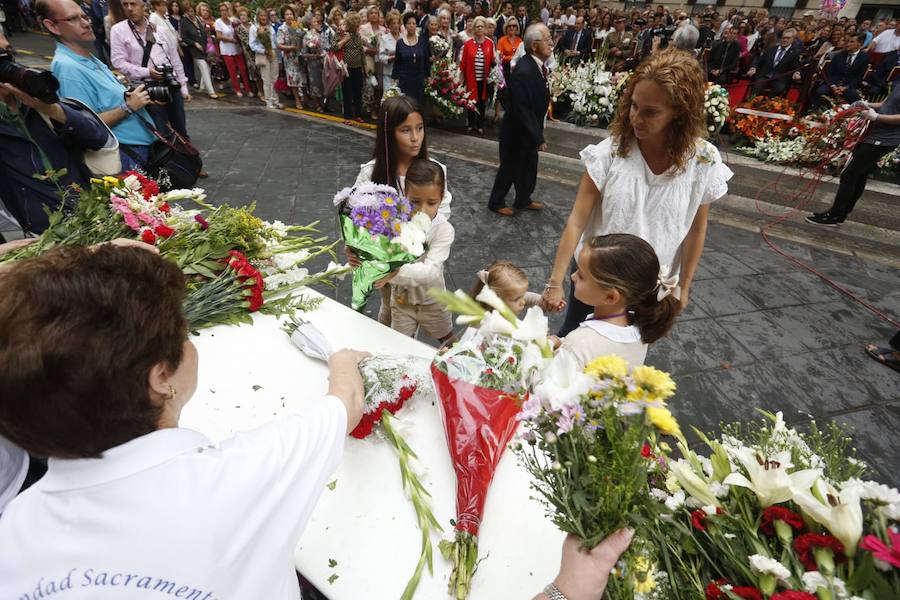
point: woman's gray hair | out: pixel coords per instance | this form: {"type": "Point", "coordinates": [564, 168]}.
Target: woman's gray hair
{"type": "Point", "coordinates": [444, 12]}
{"type": "Point", "coordinates": [685, 37]}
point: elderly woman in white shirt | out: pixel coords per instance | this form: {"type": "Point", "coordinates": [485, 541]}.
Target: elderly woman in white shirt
{"type": "Point", "coordinates": [263, 45]}
{"type": "Point", "coordinates": [387, 50]}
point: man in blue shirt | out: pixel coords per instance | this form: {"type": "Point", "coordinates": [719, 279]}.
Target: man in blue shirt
{"type": "Point", "coordinates": [83, 76]}
{"type": "Point", "coordinates": [47, 141]}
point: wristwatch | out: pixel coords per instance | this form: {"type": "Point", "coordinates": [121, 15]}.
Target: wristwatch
{"type": "Point", "coordinates": [552, 592]}
{"type": "Point", "coordinates": [127, 109]}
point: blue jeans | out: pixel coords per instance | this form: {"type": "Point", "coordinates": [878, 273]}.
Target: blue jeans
{"type": "Point", "coordinates": [129, 163]}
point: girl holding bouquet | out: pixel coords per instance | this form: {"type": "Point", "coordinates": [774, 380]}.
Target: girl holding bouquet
{"type": "Point", "coordinates": [399, 140]}
{"type": "Point", "coordinates": [411, 306]}
{"type": "Point", "coordinates": [655, 178]}
{"type": "Point", "coordinates": [633, 305]}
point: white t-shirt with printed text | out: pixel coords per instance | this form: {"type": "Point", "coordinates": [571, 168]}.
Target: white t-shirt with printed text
{"type": "Point", "coordinates": [169, 514]}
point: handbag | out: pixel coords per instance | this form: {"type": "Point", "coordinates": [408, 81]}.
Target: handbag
{"type": "Point", "coordinates": [171, 157]}
{"type": "Point", "coordinates": [105, 160]}
{"type": "Point", "coordinates": [261, 60]}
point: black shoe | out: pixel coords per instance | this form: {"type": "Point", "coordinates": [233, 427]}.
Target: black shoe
{"type": "Point", "coordinates": [826, 219]}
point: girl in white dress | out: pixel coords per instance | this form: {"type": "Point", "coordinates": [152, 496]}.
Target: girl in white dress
{"type": "Point", "coordinates": [632, 303]}
{"type": "Point", "coordinates": [654, 178]}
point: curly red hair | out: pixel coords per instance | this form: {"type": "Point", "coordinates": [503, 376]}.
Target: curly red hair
{"type": "Point", "coordinates": [679, 75]}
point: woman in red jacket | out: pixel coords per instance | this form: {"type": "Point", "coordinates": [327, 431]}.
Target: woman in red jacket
{"type": "Point", "coordinates": [475, 62]}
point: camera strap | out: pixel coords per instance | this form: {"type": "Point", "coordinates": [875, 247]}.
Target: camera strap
{"type": "Point", "coordinates": [148, 45]}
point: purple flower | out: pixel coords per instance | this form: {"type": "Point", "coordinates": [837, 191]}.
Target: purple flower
{"type": "Point", "coordinates": [530, 409]}
{"type": "Point", "coordinates": [568, 417]}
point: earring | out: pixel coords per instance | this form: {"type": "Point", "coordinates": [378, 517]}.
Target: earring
{"type": "Point", "coordinates": [172, 393]}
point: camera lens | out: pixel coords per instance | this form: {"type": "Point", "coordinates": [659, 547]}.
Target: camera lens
{"type": "Point", "coordinates": [37, 83]}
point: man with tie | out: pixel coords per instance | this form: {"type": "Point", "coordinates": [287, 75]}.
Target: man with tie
{"type": "Point", "coordinates": [522, 17]}
{"type": "Point", "coordinates": [777, 66]}
{"type": "Point", "coordinates": [844, 73]}
{"type": "Point", "coordinates": [506, 12]}
{"type": "Point", "coordinates": [522, 129]}
{"type": "Point", "coordinates": [723, 57]}
{"type": "Point", "coordinates": [577, 43]}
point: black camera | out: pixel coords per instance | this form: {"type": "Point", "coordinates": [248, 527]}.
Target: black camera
{"type": "Point", "coordinates": [665, 33]}
{"type": "Point", "coordinates": [37, 83]}
{"type": "Point", "coordinates": [161, 90]}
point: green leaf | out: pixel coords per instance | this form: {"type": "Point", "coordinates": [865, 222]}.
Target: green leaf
{"type": "Point", "coordinates": [332, 485]}
{"type": "Point", "coordinates": [333, 578]}
{"type": "Point", "coordinates": [862, 577]}
{"type": "Point", "coordinates": [332, 563]}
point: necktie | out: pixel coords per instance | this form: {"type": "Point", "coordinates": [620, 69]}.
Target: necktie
{"type": "Point", "coordinates": [544, 71]}
{"type": "Point", "coordinates": [575, 40]}
{"type": "Point", "coordinates": [778, 55]}
{"type": "Point", "coordinates": [849, 60]}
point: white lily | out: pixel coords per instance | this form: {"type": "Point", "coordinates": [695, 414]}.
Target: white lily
{"type": "Point", "coordinates": [769, 477]}
{"type": "Point", "coordinates": [533, 327]}
{"type": "Point", "coordinates": [493, 322]}
{"type": "Point", "coordinates": [840, 512]}
{"type": "Point", "coordinates": [692, 483]}
{"type": "Point", "coordinates": [490, 297]}
{"type": "Point", "coordinates": [562, 382]}
{"type": "Point", "coordinates": [532, 360]}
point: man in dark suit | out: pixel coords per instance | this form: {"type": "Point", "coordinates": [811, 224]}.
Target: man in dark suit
{"type": "Point", "coordinates": [707, 35]}
{"type": "Point", "coordinates": [506, 12]}
{"type": "Point", "coordinates": [576, 43]}
{"type": "Point", "coordinates": [723, 57]}
{"type": "Point", "coordinates": [777, 66]}
{"type": "Point", "coordinates": [522, 18]}
{"type": "Point", "coordinates": [522, 129]}
{"type": "Point", "coordinates": [844, 73]}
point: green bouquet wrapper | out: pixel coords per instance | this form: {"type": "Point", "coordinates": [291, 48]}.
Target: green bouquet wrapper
{"type": "Point", "coordinates": [378, 255]}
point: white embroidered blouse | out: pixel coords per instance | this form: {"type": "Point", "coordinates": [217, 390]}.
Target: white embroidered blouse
{"type": "Point", "coordinates": [657, 208]}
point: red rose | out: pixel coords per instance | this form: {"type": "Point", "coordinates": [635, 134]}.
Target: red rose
{"type": "Point", "coordinates": [148, 237]}
{"type": "Point", "coordinates": [164, 208]}
{"type": "Point", "coordinates": [646, 452]}
{"type": "Point", "coordinates": [793, 595]}
{"type": "Point", "coordinates": [806, 543]}
{"type": "Point", "coordinates": [713, 591]}
{"type": "Point", "coordinates": [164, 231]}
{"type": "Point", "coordinates": [778, 513]}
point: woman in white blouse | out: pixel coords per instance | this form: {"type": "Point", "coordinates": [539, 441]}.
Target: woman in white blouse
{"type": "Point", "coordinates": [387, 49]}
{"type": "Point", "coordinates": [654, 178]}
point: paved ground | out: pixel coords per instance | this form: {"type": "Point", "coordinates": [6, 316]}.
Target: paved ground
{"type": "Point", "coordinates": [759, 332]}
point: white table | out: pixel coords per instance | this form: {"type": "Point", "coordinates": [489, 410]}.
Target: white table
{"type": "Point", "coordinates": [367, 523]}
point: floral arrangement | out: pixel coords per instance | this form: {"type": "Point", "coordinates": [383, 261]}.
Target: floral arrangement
{"type": "Point", "coordinates": [716, 106]}
{"type": "Point", "coordinates": [754, 127]}
{"type": "Point", "coordinates": [378, 224]}
{"type": "Point", "coordinates": [481, 383]}
{"type": "Point", "coordinates": [389, 382]}
{"type": "Point", "coordinates": [778, 150]}
{"type": "Point", "coordinates": [772, 513]}
{"type": "Point", "coordinates": [890, 163]}
{"type": "Point", "coordinates": [439, 46]}
{"type": "Point", "coordinates": [593, 91]}
{"type": "Point", "coordinates": [235, 263]}
{"type": "Point", "coordinates": [584, 445]}
{"type": "Point", "coordinates": [446, 89]}
{"type": "Point", "coordinates": [830, 145]}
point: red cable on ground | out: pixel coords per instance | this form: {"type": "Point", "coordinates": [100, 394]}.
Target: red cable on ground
{"type": "Point", "coordinates": [802, 198]}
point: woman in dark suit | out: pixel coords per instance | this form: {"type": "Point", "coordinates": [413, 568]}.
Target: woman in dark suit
{"type": "Point", "coordinates": [194, 37]}
{"type": "Point", "coordinates": [411, 64]}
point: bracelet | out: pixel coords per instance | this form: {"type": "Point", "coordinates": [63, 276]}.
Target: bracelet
{"type": "Point", "coordinates": [552, 592]}
{"type": "Point", "coordinates": [126, 109]}
{"type": "Point", "coordinates": [548, 286]}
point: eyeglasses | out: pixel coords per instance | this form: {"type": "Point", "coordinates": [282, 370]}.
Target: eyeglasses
{"type": "Point", "coordinates": [73, 20]}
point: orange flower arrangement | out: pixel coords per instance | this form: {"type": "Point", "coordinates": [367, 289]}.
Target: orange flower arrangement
{"type": "Point", "coordinates": [758, 128]}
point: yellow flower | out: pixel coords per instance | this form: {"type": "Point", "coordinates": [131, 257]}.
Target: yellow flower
{"type": "Point", "coordinates": [657, 384]}
{"type": "Point", "coordinates": [389, 201]}
{"type": "Point", "coordinates": [644, 579]}
{"type": "Point", "coordinates": [607, 366]}
{"type": "Point", "coordinates": [385, 214]}
{"type": "Point", "coordinates": [397, 227]}
{"type": "Point", "coordinates": [663, 420]}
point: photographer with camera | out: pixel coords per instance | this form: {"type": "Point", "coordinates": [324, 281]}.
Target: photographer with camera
{"type": "Point", "coordinates": [83, 76]}
{"type": "Point", "coordinates": [149, 55]}
{"type": "Point", "coordinates": [42, 143]}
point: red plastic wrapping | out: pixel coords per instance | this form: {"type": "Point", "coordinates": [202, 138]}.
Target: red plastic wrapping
{"type": "Point", "coordinates": [479, 423]}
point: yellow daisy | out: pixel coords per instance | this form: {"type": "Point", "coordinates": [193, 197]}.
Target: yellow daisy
{"type": "Point", "coordinates": [663, 420]}
{"type": "Point", "coordinates": [657, 384]}
{"type": "Point", "coordinates": [607, 366]}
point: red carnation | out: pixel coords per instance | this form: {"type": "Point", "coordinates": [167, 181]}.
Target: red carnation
{"type": "Point", "coordinates": [806, 543]}
{"type": "Point", "coordinates": [698, 518]}
{"type": "Point", "coordinates": [646, 452]}
{"type": "Point", "coordinates": [148, 237]}
{"type": "Point", "coordinates": [164, 208]}
{"type": "Point", "coordinates": [714, 591]}
{"type": "Point", "coordinates": [793, 595]}
{"type": "Point", "coordinates": [204, 224]}
{"type": "Point", "coordinates": [164, 231]}
{"type": "Point", "coordinates": [778, 513]}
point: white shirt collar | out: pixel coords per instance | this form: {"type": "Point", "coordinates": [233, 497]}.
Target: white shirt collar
{"type": "Point", "coordinates": [539, 62]}
{"type": "Point", "coordinates": [628, 334]}
{"type": "Point", "coordinates": [127, 459]}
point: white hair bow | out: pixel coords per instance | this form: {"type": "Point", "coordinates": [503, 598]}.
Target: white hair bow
{"type": "Point", "coordinates": [667, 285]}
{"type": "Point", "coordinates": [484, 276]}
